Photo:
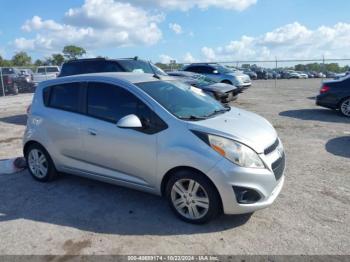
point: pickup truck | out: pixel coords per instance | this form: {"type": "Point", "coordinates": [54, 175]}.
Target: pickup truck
{"type": "Point", "coordinates": [9, 80]}
{"type": "Point", "coordinates": [45, 73]}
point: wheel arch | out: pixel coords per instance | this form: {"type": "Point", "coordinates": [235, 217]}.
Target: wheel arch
{"type": "Point", "coordinates": [342, 100]}
{"type": "Point", "coordinates": [174, 170]}
{"type": "Point", "coordinates": [28, 144]}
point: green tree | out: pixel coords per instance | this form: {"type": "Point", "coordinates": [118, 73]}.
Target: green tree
{"type": "Point", "coordinates": [73, 52]}
{"type": "Point", "coordinates": [57, 59]}
{"type": "Point", "coordinates": [21, 59]}
{"type": "Point", "coordinates": [38, 62]}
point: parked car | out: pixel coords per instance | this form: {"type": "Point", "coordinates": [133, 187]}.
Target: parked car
{"type": "Point", "coordinates": [222, 92]}
{"type": "Point", "coordinates": [100, 65]}
{"type": "Point", "coordinates": [310, 74]}
{"type": "Point", "coordinates": [26, 79]}
{"type": "Point", "coordinates": [220, 73]}
{"type": "Point", "coordinates": [302, 75]}
{"type": "Point", "coordinates": [331, 75]}
{"type": "Point", "coordinates": [45, 73]}
{"type": "Point", "coordinates": [289, 74]}
{"type": "Point", "coordinates": [10, 80]}
{"type": "Point", "coordinates": [159, 136]}
{"type": "Point", "coordinates": [261, 73]}
{"type": "Point", "coordinates": [335, 94]}
{"type": "Point", "coordinates": [321, 75]}
{"type": "Point", "coordinates": [251, 74]}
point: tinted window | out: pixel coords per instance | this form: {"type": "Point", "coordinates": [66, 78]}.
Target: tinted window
{"type": "Point", "coordinates": [65, 96]}
{"type": "Point", "coordinates": [111, 103]}
{"type": "Point", "coordinates": [87, 67]}
{"type": "Point", "coordinates": [195, 69]}
{"type": "Point", "coordinates": [207, 70]}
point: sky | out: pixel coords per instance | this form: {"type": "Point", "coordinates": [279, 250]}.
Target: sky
{"type": "Point", "coordinates": [181, 30]}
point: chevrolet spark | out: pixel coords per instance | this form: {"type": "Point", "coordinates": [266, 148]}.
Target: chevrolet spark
{"type": "Point", "coordinates": [155, 135]}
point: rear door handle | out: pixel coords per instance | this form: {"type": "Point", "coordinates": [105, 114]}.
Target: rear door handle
{"type": "Point", "coordinates": [92, 132]}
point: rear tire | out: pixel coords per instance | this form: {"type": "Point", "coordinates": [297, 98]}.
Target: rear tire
{"type": "Point", "coordinates": [192, 197]}
{"type": "Point", "coordinates": [345, 107]}
{"type": "Point", "coordinates": [40, 164]}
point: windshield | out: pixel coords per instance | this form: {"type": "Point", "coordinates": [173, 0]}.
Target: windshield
{"type": "Point", "coordinates": [203, 80]}
{"type": "Point", "coordinates": [183, 101]}
{"type": "Point", "coordinates": [138, 66]}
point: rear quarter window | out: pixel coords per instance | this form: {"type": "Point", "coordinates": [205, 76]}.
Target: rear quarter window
{"type": "Point", "coordinates": [64, 96]}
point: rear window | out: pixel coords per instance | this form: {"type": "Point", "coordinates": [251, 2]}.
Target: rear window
{"type": "Point", "coordinates": [88, 67]}
{"type": "Point", "coordinates": [65, 97]}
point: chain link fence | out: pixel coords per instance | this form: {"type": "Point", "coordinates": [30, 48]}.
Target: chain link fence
{"type": "Point", "coordinates": [278, 69]}
{"type": "Point", "coordinates": [14, 80]}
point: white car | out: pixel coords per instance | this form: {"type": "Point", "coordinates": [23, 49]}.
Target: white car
{"type": "Point", "coordinates": [45, 73]}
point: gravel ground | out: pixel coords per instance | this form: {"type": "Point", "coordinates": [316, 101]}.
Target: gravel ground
{"type": "Point", "coordinates": [79, 216]}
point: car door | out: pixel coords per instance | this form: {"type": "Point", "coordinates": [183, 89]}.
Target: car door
{"type": "Point", "coordinates": [127, 155]}
{"type": "Point", "coordinates": [62, 121]}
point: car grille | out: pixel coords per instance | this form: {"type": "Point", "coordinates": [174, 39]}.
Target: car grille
{"type": "Point", "coordinates": [272, 148]}
{"type": "Point", "coordinates": [278, 166]}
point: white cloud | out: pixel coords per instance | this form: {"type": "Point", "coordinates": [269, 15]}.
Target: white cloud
{"type": "Point", "coordinates": [36, 23]}
{"type": "Point", "coordinates": [165, 59]}
{"type": "Point", "coordinates": [176, 28]}
{"type": "Point", "coordinates": [208, 53]}
{"type": "Point", "coordinates": [96, 24]}
{"type": "Point", "coordinates": [185, 5]}
{"type": "Point", "coordinates": [292, 41]}
{"type": "Point", "coordinates": [188, 58]}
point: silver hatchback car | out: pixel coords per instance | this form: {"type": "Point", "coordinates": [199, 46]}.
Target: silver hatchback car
{"type": "Point", "coordinates": [159, 136]}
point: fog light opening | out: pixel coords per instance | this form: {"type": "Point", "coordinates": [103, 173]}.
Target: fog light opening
{"type": "Point", "coordinates": [246, 195]}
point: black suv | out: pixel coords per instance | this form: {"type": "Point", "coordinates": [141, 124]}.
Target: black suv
{"type": "Point", "coordinates": [102, 65]}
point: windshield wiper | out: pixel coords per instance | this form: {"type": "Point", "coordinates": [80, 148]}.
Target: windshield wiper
{"type": "Point", "coordinates": [192, 117]}
{"type": "Point", "coordinates": [219, 111]}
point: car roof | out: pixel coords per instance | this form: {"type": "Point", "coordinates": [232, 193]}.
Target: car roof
{"type": "Point", "coordinates": [126, 76]}
{"type": "Point", "coordinates": [96, 59]}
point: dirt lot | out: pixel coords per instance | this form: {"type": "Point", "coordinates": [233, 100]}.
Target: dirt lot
{"type": "Point", "coordinates": [78, 216]}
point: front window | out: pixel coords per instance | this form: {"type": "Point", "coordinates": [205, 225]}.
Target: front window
{"type": "Point", "coordinates": [183, 101]}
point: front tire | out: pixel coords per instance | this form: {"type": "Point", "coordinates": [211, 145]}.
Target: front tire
{"type": "Point", "coordinates": [345, 107]}
{"type": "Point", "coordinates": [192, 197]}
{"type": "Point", "coordinates": [40, 164]}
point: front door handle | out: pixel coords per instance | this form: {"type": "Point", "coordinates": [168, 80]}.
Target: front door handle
{"type": "Point", "coordinates": [92, 132]}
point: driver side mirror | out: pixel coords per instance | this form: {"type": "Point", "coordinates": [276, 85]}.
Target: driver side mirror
{"type": "Point", "coordinates": [129, 121]}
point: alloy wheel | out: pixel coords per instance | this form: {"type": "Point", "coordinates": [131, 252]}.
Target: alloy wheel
{"type": "Point", "coordinates": [345, 107]}
{"type": "Point", "coordinates": [38, 163]}
{"type": "Point", "coordinates": [190, 199]}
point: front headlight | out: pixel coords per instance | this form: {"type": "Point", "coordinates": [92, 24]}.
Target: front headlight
{"type": "Point", "coordinates": [235, 152]}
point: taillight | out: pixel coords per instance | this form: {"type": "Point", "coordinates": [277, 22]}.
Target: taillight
{"type": "Point", "coordinates": [324, 89]}
{"type": "Point", "coordinates": [9, 81]}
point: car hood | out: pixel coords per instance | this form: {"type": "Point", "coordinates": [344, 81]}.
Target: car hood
{"type": "Point", "coordinates": [219, 87]}
{"type": "Point", "coordinates": [240, 125]}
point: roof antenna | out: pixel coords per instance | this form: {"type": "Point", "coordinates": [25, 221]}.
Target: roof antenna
{"type": "Point", "coordinates": [155, 75]}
